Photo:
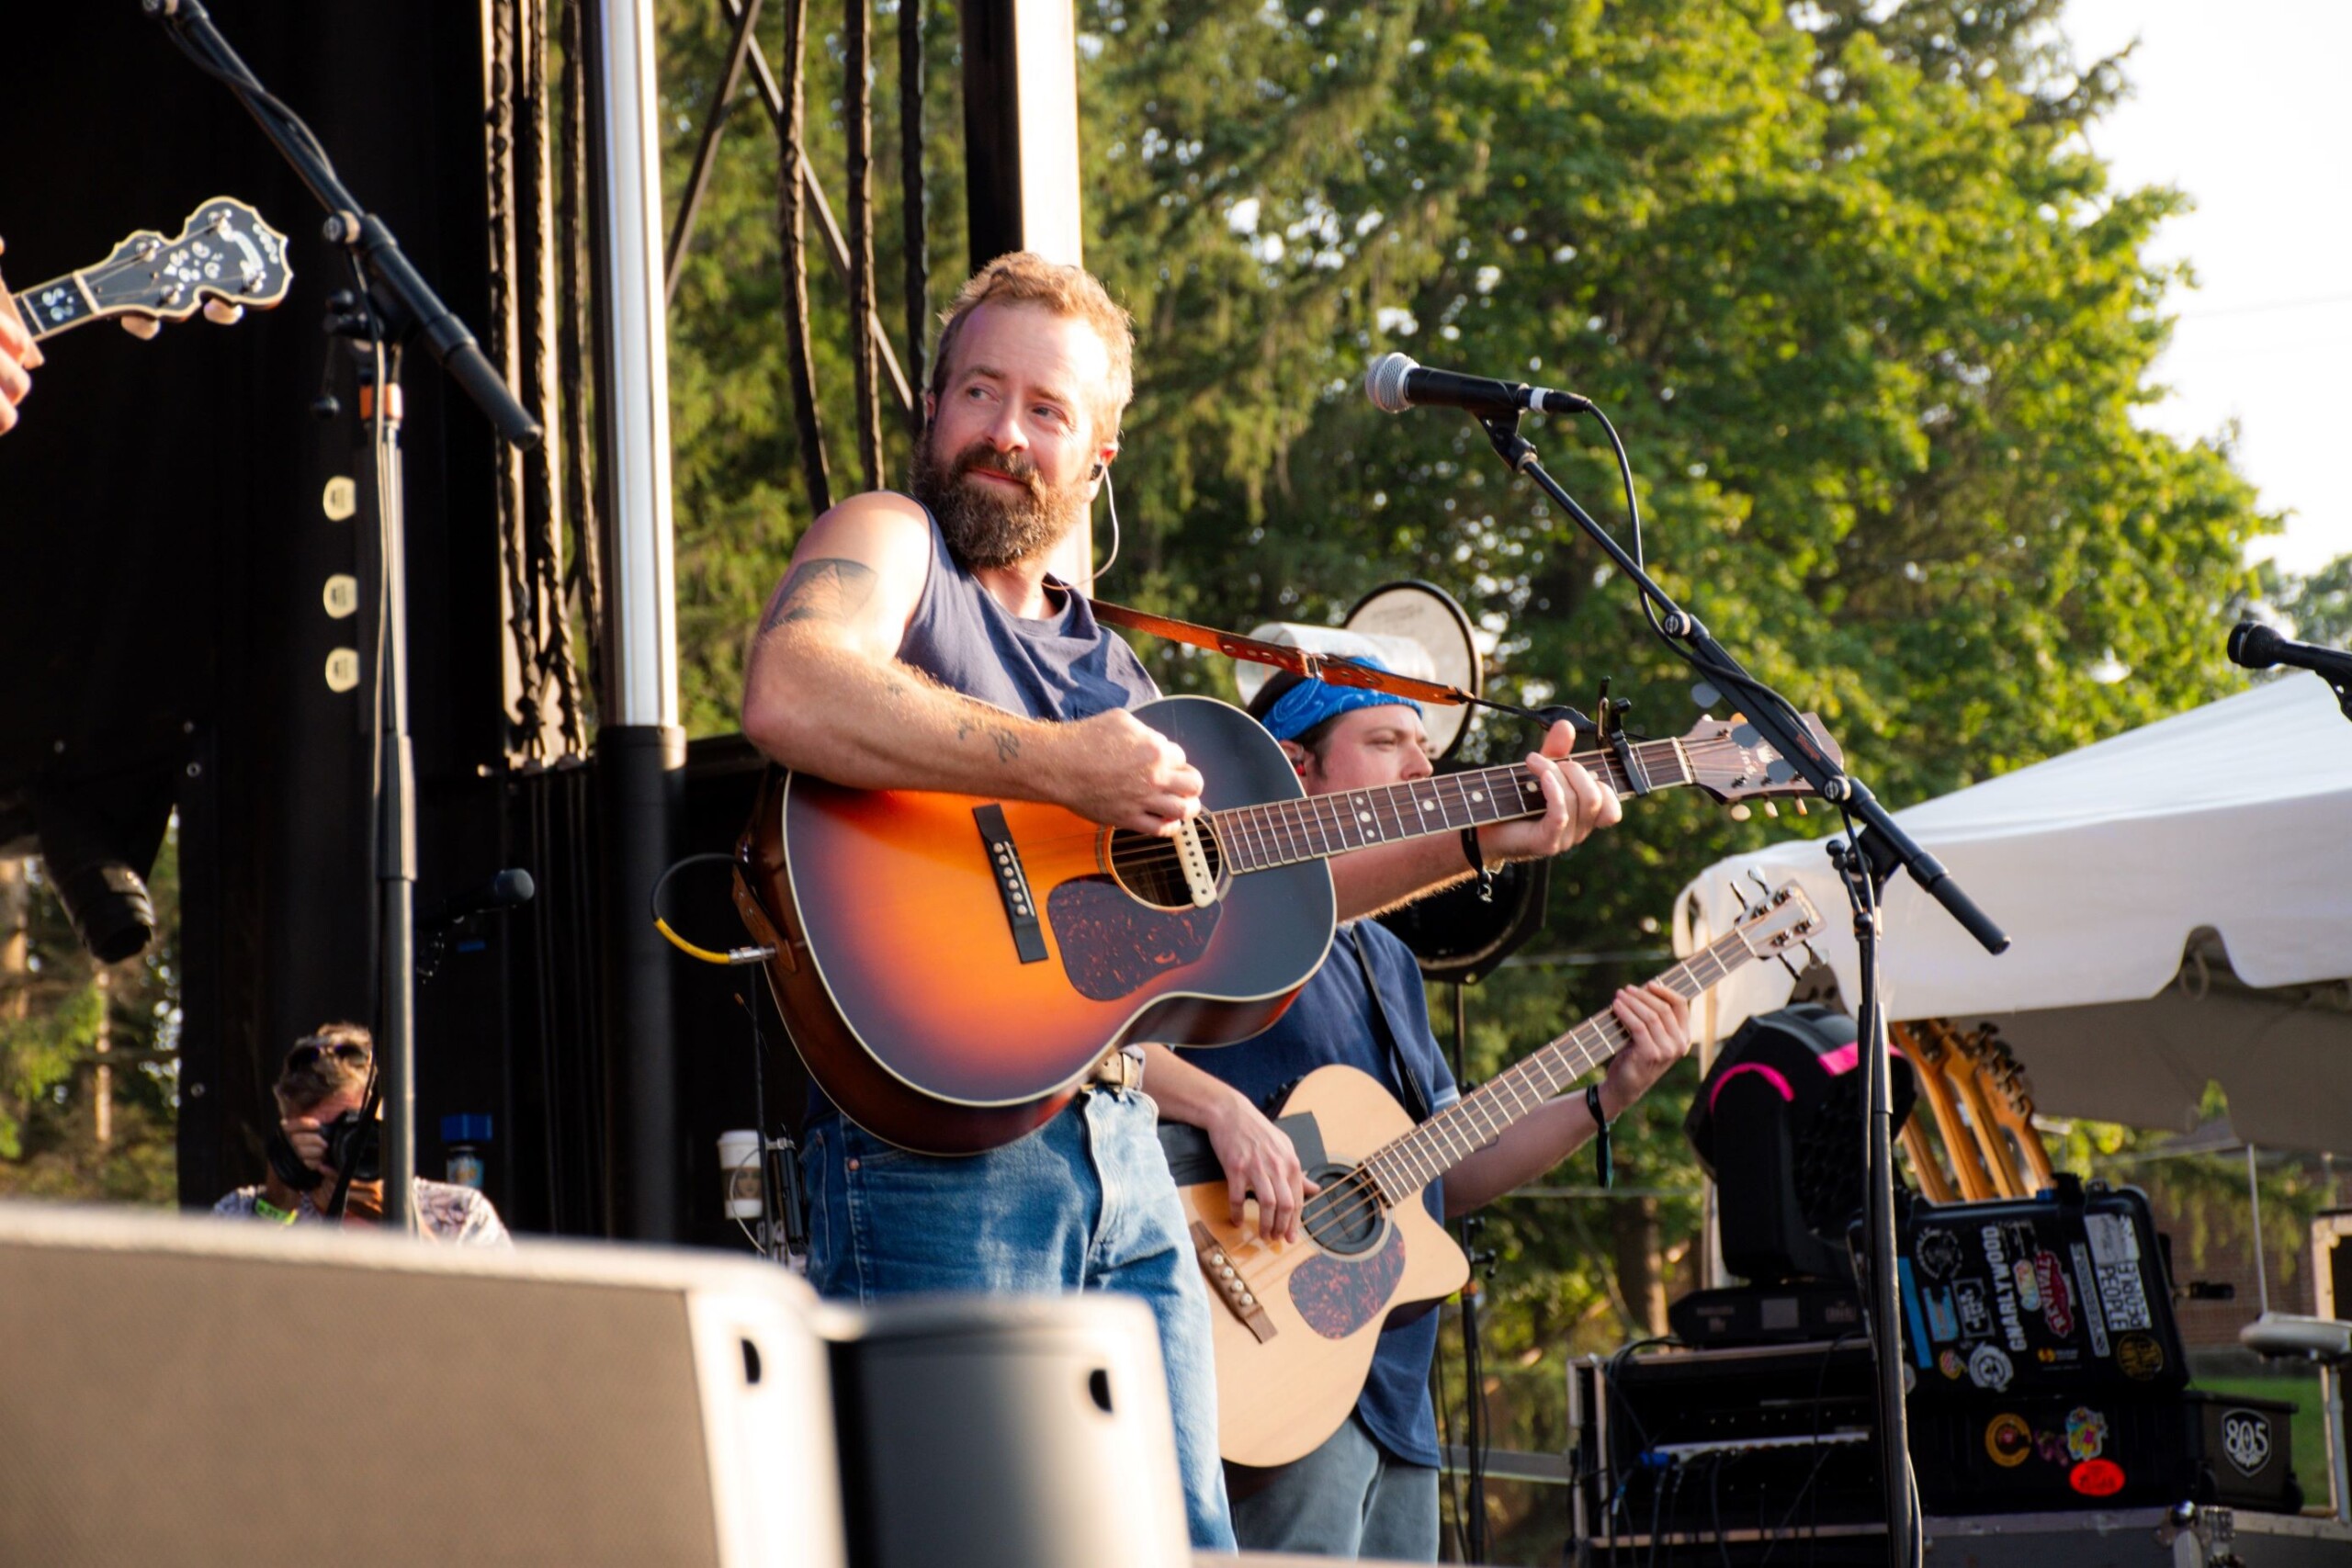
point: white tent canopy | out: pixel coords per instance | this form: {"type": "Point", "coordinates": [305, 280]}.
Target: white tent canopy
{"type": "Point", "coordinates": [2231, 823]}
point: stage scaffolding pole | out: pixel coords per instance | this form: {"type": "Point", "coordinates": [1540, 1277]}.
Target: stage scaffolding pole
{"type": "Point", "coordinates": [641, 750]}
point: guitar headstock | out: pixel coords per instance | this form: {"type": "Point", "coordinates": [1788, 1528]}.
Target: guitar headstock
{"type": "Point", "coordinates": [225, 252]}
{"type": "Point", "coordinates": [1732, 761]}
{"type": "Point", "coordinates": [1778, 922]}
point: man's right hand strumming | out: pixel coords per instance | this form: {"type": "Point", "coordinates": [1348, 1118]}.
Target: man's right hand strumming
{"type": "Point", "coordinates": [1115, 769]}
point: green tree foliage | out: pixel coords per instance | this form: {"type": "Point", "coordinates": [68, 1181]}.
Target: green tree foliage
{"type": "Point", "coordinates": [52, 1003]}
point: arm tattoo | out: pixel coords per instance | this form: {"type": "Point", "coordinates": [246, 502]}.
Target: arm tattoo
{"type": "Point", "coordinates": [830, 588]}
{"type": "Point", "coordinates": [1008, 742]}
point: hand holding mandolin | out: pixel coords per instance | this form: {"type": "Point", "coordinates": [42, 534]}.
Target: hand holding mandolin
{"type": "Point", "coordinates": [18, 356]}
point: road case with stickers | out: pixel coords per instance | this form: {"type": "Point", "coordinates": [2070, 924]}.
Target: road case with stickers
{"type": "Point", "coordinates": [2023, 1455]}
{"type": "Point", "coordinates": [2060, 1294]}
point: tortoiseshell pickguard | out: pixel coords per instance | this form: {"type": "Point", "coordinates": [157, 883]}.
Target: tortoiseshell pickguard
{"type": "Point", "coordinates": [1339, 1295]}
{"type": "Point", "coordinates": [1112, 946]}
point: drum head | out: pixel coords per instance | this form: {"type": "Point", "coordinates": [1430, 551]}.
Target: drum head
{"type": "Point", "coordinates": [1425, 614]}
{"type": "Point", "coordinates": [1413, 627]}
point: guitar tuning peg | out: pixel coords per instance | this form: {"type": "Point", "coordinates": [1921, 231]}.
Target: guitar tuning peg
{"type": "Point", "coordinates": [1740, 813]}
{"type": "Point", "coordinates": [222, 313]}
{"type": "Point", "coordinates": [1739, 719]}
{"type": "Point", "coordinates": [1771, 809]}
{"type": "Point", "coordinates": [1799, 804]}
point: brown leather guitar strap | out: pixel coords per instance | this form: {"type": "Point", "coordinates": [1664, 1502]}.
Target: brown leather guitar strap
{"type": "Point", "coordinates": [1325, 667]}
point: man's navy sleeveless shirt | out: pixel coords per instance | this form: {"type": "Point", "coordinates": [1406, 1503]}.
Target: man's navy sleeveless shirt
{"type": "Point", "coordinates": [1065, 667]}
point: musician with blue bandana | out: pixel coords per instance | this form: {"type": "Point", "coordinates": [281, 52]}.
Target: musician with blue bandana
{"type": "Point", "coordinates": [1371, 1489]}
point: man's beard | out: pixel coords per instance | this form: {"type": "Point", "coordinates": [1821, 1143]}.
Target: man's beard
{"type": "Point", "coordinates": [987, 526]}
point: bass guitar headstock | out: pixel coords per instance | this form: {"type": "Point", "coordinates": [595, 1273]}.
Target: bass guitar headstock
{"type": "Point", "coordinates": [225, 253]}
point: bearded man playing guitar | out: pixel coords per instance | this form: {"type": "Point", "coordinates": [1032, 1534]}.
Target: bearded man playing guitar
{"type": "Point", "coordinates": [918, 643]}
{"type": "Point", "coordinates": [1370, 1489]}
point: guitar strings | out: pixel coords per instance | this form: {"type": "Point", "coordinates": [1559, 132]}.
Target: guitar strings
{"type": "Point", "coordinates": [1360, 1186]}
{"type": "Point", "coordinates": [1143, 853]}
{"type": "Point", "coordinates": [1138, 859]}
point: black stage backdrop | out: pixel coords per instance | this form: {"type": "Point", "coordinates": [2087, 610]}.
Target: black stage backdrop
{"type": "Point", "coordinates": [164, 544]}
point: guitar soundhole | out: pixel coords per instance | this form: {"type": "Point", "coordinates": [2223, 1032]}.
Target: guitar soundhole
{"type": "Point", "coordinates": [1147, 867]}
{"type": "Point", "coordinates": [1344, 1218]}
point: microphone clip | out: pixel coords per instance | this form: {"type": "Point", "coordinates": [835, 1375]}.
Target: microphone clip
{"type": "Point", "coordinates": [1502, 429]}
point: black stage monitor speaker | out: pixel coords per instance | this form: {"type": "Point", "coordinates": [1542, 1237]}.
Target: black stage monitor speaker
{"type": "Point", "coordinates": [197, 1390]}
{"type": "Point", "coordinates": [1007, 1433]}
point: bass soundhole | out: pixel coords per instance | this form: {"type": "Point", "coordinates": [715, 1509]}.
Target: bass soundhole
{"type": "Point", "coordinates": [1146, 867]}
{"type": "Point", "coordinates": [1344, 1218]}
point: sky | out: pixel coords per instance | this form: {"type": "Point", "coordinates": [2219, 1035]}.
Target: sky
{"type": "Point", "coordinates": [2243, 107]}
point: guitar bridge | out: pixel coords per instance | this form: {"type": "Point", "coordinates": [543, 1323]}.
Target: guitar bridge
{"type": "Point", "coordinates": [1012, 884]}
{"type": "Point", "coordinates": [1193, 856]}
{"type": "Point", "coordinates": [1228, 1286]}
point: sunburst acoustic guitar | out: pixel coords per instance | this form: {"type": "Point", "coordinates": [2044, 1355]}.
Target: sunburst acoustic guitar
{"type": "Point", "coordinates": [1295, 1322]}
{"type": "Point", "coordinates": [951, 966]}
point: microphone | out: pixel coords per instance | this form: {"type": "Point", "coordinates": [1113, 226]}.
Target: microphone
{"type": "Point", "coordinates": [1395, 383]}
{"type": "Point", "coordinates": [509, 889]}
{"type": "Point", "coordinates": [2257, 646]}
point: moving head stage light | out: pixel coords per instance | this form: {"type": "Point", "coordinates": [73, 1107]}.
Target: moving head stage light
{"type": "Point", "coordinates": [1777, 1125]}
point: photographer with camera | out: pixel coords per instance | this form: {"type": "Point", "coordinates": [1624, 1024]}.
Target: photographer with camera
{"type": "Point", "coordinates": [322, 1091]}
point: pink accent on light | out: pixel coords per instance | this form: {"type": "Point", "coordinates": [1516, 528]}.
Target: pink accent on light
{"type": "Point", "coordinates": [1769, 1075]}
{"type": "Point", "coordinates": [1846, 1058]}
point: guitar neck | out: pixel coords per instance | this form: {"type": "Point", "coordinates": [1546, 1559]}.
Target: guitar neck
{"type": "Point", "coordinates": [48, 309]}
{"type": "Point", "coordinates": [1403, 1167]}
{"type": "Point", "coordinates": [1285, 832]}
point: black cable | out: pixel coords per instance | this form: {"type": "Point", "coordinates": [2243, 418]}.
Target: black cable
{"type": "Point", "coordinates": [1681, 1473]}
{"type": "Point", "coordinates": [1657, 1503]}
{"type": "Point", "coordinates": [1716, 1505]}
{"type": "Point", "coordinates": [258, 100]}
{"type": "Point", "coordinates": [1474, 1423]}
{"type": "Point", "coordinates": [1445, 1434]}
{"type": "Point", "coordinates": [770, 1241]}
{"type": "Point", "coordinates": [1820, 1386]}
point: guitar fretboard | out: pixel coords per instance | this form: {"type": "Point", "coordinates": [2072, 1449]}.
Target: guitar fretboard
{"type": "Point", "coordinates": [1445, 1139]}
{"type": "Point", "coordinates": [1284, 832]}
{"type": "Point", "coordinates": [50, 308]}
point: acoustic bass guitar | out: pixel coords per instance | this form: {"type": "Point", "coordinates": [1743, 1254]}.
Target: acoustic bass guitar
{"type": "Point", "coordinates": [951, 966]}
{"type": "Point", "coordinates": [1294, 1323]}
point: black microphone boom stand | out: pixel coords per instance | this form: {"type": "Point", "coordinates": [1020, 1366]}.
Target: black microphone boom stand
{"type": "Point", "coordinates": [398, 305]}
{"type": "Point", "coordinates": [1875, 850]}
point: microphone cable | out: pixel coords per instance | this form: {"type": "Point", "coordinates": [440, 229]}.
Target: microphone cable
{"type": "Point", "coordinates": [728, 957]}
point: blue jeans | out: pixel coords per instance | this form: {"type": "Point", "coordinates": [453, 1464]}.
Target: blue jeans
{"type": "Point", "coordinates": [1084, 1202]}
{"type": "Point", "coordinates": [1349, 1498]}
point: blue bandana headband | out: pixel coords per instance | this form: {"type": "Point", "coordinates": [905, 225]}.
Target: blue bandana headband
{"type": "Point", "coordinates": [1310, 703]}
